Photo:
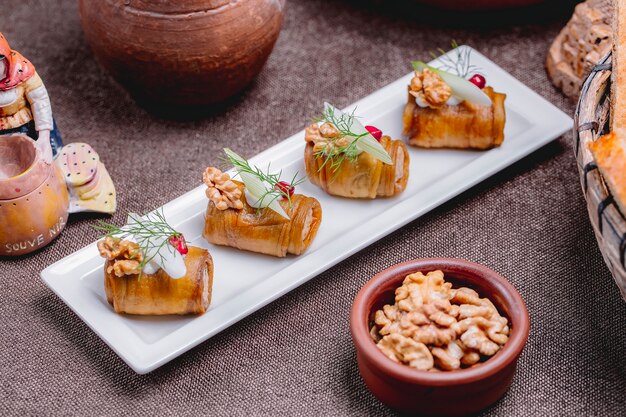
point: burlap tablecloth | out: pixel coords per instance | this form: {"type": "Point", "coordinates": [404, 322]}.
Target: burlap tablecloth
{"type": "Point", "coordinates": [295, 357]}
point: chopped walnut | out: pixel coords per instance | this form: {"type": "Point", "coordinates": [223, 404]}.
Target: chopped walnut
{"type": "Point", "coordinates": [449, 358]}
{"type": "Point", "coordinates": [475, 338]}
{"type": "Point", "coordinates": [438, 311]}
{"type": "Point", "coordinates": [469, 310]}
{"type": "Point", "coordinates": [127, 267]}
{"type": "Point", "coordinates": [113, 248]}
{"type": "Point", "coordinates": [324, 137]}
{"type": "Point", "coordinates": [411, 319]}
{"type": "Point", "coordinates": [470, 358]}
{"type": "Point", "coordinates": [480, 325]}
{"type": "Point", "coordinates": [126, 256]}
{"type": "Point", "coordinates": [374, 334]}
{"type": "Point", "coordinates": [388, 320]}
{"type": "Point", "coordinates": [424, 288]}
{"type": "Point", "coordinates": [434, 335]}
{"type": "Point", "coordinates": [457, 326]}
{"type": "Point", "coordinates": [466, 296]}
{"type": "Point", "coordinates": [223, 192]}
{"type": "Point", "coordinates": [483, 334]}
{"type": "Point", "coordinates": [405, 350]}
{"type": "Point", "coordinates": [430, 88]}
{"type": "Point", "coordinates": [328, 131]}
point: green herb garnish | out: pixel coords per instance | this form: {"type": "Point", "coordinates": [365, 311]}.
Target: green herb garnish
{"type": "Point", "coordinates": [335, 154]}
{"type": "Point", "coordinates": [458, 63]}
{"type": "Point", "coordinates": [360, 140]}
{"type": "Point", "coordinates": [265, 186]}
{"type": "Point", "coordinates": [152, 234]}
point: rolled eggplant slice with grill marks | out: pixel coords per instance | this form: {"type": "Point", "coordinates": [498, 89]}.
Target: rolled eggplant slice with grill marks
{"type": "Point", "coordinates": [131, 292]}
{"type": "Point", "coordinates": [464, 125]}
{"type": "Point", "coordinates": [366, 177]}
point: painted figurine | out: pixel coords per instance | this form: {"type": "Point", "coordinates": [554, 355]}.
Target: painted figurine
{"type": "Point", "coordinates": [41, 181]}
{"type": "Point", "coordinates": [24, 102]}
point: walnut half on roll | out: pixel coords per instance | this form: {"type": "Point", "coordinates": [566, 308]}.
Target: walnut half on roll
{"type": "Point", "coordinates": [131, 292]}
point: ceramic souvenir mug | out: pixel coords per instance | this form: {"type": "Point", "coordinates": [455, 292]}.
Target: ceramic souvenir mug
{"type": "Point", "coordinates": [33, 197]}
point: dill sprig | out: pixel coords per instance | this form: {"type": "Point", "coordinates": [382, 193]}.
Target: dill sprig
{"type": "Point", "coordinates": [151, 234]}
{"type": "Point", "coordinates": [271, 180]}
{"type": "Point", "coordinates": [336, 155]}
{"type": "Point", "coordinates": [458, 63]}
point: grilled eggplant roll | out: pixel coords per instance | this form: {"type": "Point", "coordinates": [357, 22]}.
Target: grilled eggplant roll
{"type": "Point", "coordinates": [231, 221]}
{"type": "Point", "coordinates": [466, 125]}
{"type": "Point", "coordinates": [367, 177]}
{"type": "Point", "coordinates": [157, 293]}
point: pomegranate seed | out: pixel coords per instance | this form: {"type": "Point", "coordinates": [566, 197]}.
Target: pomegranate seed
{"type": "Point", "coordinates": [478, 80]}
{"type": "Point", "coordinates": [285, 188]}
{"type": "Point", "coordinates": [374, 131]}
{"type": "Point", "coordinates": [179, 243]}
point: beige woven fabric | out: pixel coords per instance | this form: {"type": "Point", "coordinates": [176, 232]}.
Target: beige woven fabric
{"type": "Point", "coordinates": [295, 357]}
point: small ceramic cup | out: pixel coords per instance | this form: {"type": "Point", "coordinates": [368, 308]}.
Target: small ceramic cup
{"type": "Point", "coordinates": [451, 393]}
{"type": "Point", "coordinates": [33, 197]}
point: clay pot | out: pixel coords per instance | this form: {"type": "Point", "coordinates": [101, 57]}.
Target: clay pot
{"type": "Point", "coordinates": [451, 393]}
{"type": "Point", "coordinates": [33, 197]}
{"type": "Point", "coordinates": [182, 52]}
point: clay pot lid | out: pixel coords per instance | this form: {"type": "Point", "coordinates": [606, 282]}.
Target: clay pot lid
{"type": "Point", "coordinates": [500, 292]}
{"type": "Point", "coordinates": [22, 168]}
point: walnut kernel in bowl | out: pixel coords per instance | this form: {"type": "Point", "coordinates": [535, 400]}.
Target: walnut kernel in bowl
{"type": "Point", "coordinates": [435, 327]}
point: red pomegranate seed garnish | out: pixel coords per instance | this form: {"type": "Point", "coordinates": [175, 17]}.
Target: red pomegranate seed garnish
{"type": "Point", "coordinates": [285, 188]}
{"type": "Point", "coordinates": [374, 131]}
{"type": "Point", "coordinates": [478, 80]}
{"type": "Point", "coordinates": [179, 243]}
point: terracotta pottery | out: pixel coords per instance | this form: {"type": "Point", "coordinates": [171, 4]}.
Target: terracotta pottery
{"type": "Point", "coordinates": [182, 52]}
{"type": "Point", "coordinates": [451, 393]}
{"type": "Point", "coordinates": [33, 197]}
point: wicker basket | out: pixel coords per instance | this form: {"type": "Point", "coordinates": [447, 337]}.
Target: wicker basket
{"type": "Point", "coordinates": [592, 121]}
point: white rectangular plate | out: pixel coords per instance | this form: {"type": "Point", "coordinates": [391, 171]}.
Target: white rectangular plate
{"type": "Point", "coordinates": [245, 282]}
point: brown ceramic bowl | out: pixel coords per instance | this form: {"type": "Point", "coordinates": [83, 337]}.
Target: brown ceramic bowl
{"type": "Point", "coordinates": [452, 393]}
